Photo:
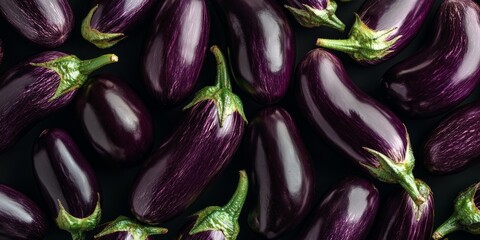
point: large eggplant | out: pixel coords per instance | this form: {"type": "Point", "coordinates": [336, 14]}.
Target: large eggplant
{"type": "Point", "coordinates": [124, 228]}
{"type": "Point", "coordinates": [193, 154]}
{"type": "Point", "coordinates": [20, 217]}
{"type": "Point", "coordinates": [282, 175]}
{"type": "Point", "coordinates": [443, 74]}
{"type": "Point", "coordinates": [358, 126]}
{"type": "Point", "coordinates": [315, 13]}
{"type": "Point", "coordinates": [381, 30]}
{"type": "Point", "coordinates": [261, 46]}
{"type": "Point", "coordinates": [175, 50]}
{"type": "Point", "coordinates": [67, 183]}
{"type": "Point", "coordinates": [39, 86]}
{"type": "Point", "coordinates": [347, 212]}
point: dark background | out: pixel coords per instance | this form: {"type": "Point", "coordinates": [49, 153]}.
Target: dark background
{"type": "Point", "coordinates": [16, 167]}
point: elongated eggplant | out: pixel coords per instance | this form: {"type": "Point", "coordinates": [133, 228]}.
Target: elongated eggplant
{"type": "Point", "coordinates": [315, 13]}
{"type": "Point", "coordinates": [39, 86]}
{"type": "Point", "coordinates": [115, 121]}
{"type": "Point", "coordinates": [175, 50]}
{"type": "Point", "coordinates": [20, 217]}
{"type": "Point", "coordinates": [124, 228]}
{"type": "Point", "coordinates": [262, 47]}
{"type": "Point", "coordinates": [46, 23]}
{"type": "Point", "coordinates": [347, 212]}
{"type": "Point", "coordinates": [67, 182]}
{"type": "Point", "coordinates": [358, 126]}
{"type": "Point", "coordinates": [282, 174]}
{"type": "Point", "coordinates": [381, 30]}
{"type": "Point", "coordinates": [197, 151]}
{"type": "Point", "coordinates": [442, 75]}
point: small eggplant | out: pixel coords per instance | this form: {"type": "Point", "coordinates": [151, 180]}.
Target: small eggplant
{"type": "Point", "coordinates": [46, 23]}
{"type": "Point", "coordinates": [218, 223]}
{"type": "Point", "coordinates": [442, 75]}
{"type": "Point", "coordinates": [67, 182]}
{"type": "Point", "coordinates": [381, 30]}
{"type": "Point", "coordinates": [124, 228]}
{"type": "Point", "coordinates": [358, 126]}
{"type": "Point", "coordinates": [282, 175]}
{"type": "Point", "coordinates": [195, 152]}
{"type": "Point", "coordinates": [315, 13]}
{"type": "Point", "coordinates": [115, 121]}
{"type": "Point", "coordinates": [262, 47]}
{"type": "Point", "coordinates": [347, 212]}
{"type": "Point", "coordinates": [39, 86]}
{"type": "Point", "coordinates": [106, 23]}
{"type": "Point", "coordinates": [20, 217]}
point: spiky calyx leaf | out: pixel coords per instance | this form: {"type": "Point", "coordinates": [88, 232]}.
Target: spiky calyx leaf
{"type": "Point", "coordinates": [134, 228]}
{"type": "Point", "coordinates": [78, 226]}
{"type": "Point", "coordinates": [312, 17]}
{"type": "Point", "coordinates": [99, 39]}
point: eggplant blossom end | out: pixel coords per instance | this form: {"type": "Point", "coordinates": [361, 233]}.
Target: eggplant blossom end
{"type": "Point", "coordinates": [312, 17]}
{"type": "Point", "coordinates": [137, 231]}
{"type": "Point", "coordinates": [99, 39]}
{"type": "Point", "coordinates": [77, 226]}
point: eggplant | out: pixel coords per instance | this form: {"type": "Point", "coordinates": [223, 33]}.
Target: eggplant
{"type": "Point", "coordinates": [39, 86]}
{"type": "Point", "coordinates": [115, 121]}
{"type": "Point", "coordinates": [359, 127]}
{"type": "Point", "coordinates": [381, 30]}
{"type": "Point", "coordinates": [67, 182]}
{"type": "Point", "coordinates": [20, 217]}
{"type": "Point", "coordinates": [189, 158]}
{"type": "Point", "coordinates": [347, 212]}
{"type": "Point", "coordinates": [261, 47]}
{"type": "Point", "coordinates": [106, 23]}
{"type": "Point", "coordinates": [282, 175]}
{"type": "Point", "coordinates": [315, 13]}
{"type": "Point", "coordinates": [124, 228]}
{"type": "Point", "coordinates": [445, 73]}
{"type": "Point", "coordinates": [46, 23]}
{"type": "Point", "coordinates": [175, 50]}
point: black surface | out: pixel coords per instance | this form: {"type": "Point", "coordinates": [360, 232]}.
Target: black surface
{"type": "Point", "coordinates": [16, 167]}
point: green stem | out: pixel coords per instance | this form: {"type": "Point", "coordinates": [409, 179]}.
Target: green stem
{"type": "Point", "coordinates": [407, 181]}
{"type": "Point", "coordinates": [449, 226]}
{"type": "Point", "coordinates": [90, 65]}
{"type": "Point", "coordinates": [78, 235]}
{"type": "Point", "coordinates": [223, 79]}
{"type": "Point", "coordinates": [235, 205]}
{"type": "Point", "coordinates": [342, 45]}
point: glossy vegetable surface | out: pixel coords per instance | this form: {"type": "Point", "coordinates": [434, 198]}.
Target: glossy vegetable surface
{"type": "Point", "coordinates": [315, 13]}
{"type": "Point", "coordinates": [124, 228]}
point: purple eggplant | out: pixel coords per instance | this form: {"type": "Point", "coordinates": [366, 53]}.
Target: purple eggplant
{"type": "Point", "coordinates": [282, 175]}
{"type": "Point", "coordinates": [358, 126]}
{"type": "Point", "coordinates": [46, 23]}
{"type": "Point", "coordinates": [347, 212]}
{"type": "Point", "coordinates": [261, 47]}
{"type": "Point", "coordinates": [20, 217]}
{"type": "Point", "coordinates": [115, 121]}
{"type": "Point", "coordinates": [67, 182]}
{"type": "Point", "coordinates": [442, 75]}
{"type": "Point", "coordinates": [315, 13]}
{"type": "Point", "coordinates": [381, 30]}
{"type": "Point", "coordinates": [195, 152]}
{"type": "Point", "coordinates": [106, 23]}
{"type": "Point", "coordinates": [124, 228]}
{"type": "Point", "coordinates": [175, 50]}
{"type": "Point", "coordinates": [39, 86]}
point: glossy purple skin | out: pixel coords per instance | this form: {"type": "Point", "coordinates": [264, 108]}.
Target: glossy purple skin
{"type": "Point", "coordinates": [63, 174]}
{"type": "Point", "coordinates": [282, 175]}
{"type": "Point", "coordinates": [175, 50]}
{"type": "Point", "coordinates": [185, 163]}
{"type": "Point", "coordinates": [443, 74]}
{"type": "Point", "coordinates": [20, 217]}
{"type": "Point", "coordinates": [121, 236]}
{"type": "Point", "coordinates": [262, 47]}
{"type": "Point", "coordinates": [46, 23]}
{"type": "Point", "coordinates": [207, 235]}
{"type": "Point", "coordinates": [347, 212]}
{"type": "Point", "coordinates": [317, 4]}
{"type": "Point", "coordinates": [115, 121]}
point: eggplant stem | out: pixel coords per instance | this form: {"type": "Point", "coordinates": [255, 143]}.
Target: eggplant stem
{"type": "Point", "coordinates": [90, 65]}
{"type": "Point", "coordinates": [235, 205]}
{"type": "Point", "coordinates": [449, 226]}
{"type": "Point", "coordinates": [342, 45]}
{"type": "Point", "coordinates": [312, 17]}
{"type": "Point", "coordinates": [223, 79]}
{"type": "Point", "coordinates": [407, 181]}
{"type": "Point", "coordinates": [78, 235]}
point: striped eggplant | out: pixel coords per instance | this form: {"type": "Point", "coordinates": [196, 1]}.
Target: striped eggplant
{"type": "Point", "coordinates": [124, 228]}
{"type": "Point", "coordinates": [315, 13]}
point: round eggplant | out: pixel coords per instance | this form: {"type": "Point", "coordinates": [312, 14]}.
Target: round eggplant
{"type": "Point", "coordinates": [315, 13]}
{"type": "Point", "coordinates": [124, 228]}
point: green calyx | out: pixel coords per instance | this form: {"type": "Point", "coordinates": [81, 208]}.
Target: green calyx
{"type": "Point", "coordinates": [311, 17]}
{"type": "Point", "coordinates": [136, 230]}
{"type": "Point", "coordinates": [78, 226]}
{"type": "Point", "coordinates": [425, 192]}
{"type": "Point", "coordinates": [99, 39]}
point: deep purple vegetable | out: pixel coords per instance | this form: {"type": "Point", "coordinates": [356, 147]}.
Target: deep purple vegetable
{"type": "Point", "coordinates": [261, 47]}
{"type": "Point", "coordinates": [124, 228]}
{"type": "Point", "coordinates": [381, 30]}
{"type": "Point", "coordinates": [20, 217]}
{"type": "Point", "coordinates": [358, 126]}
{"type": "Point", "coordinates": [195, 152]}
{"type": "Point", "coordinates": [67, 182]}
{"type": "Point", "coordinates": [282, 175]}
{"type": "Point", "coordinates": [115, 120]}
{"type": "Point", "coordinates": [347, 212]}
{"type": "Point", "coordinates": [315, 13]}
{"type": "Point", "coordinates": [175, 49]}
{"type": "Point", "coordinates": [46, 23]}
{"type": "Point", "coordinates": [442, 75]}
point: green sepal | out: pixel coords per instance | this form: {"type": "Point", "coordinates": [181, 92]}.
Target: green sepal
{"type": "Point", "coordinates": [136, 229]}
{"type": "Point", "coordinates": [311, 17]}
{"type": "Point", "coordinates": [99, 39]}
{"type": "Point", "coordinates": [425, 191]}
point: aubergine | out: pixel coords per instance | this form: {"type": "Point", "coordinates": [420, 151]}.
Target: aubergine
{"type": "Point", "coordinates": [446, 72]}
{"type": "Point", "coordinates": [359, 127]}
{"type": "Point", "coordinates": [20, 217]}
{"type": "Point", "coordinates": [124, 228]}
{"type": "Point", "coordinates": [282, 175]}
{"type": "Point", "coordinates": [261, 47]}
{"type": "Point", "coordinates": [67, 182]}
{"type": "Point", "coordinates": [381, 30]}
{"type": "Point", "coordinates": [204, 142]}
{"type": "Point", "coordinates": [346, 212]}
{"type": "Point", "coordinates": [315, 13]}
{"type": "Point", "coordinates": [175, 50]}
